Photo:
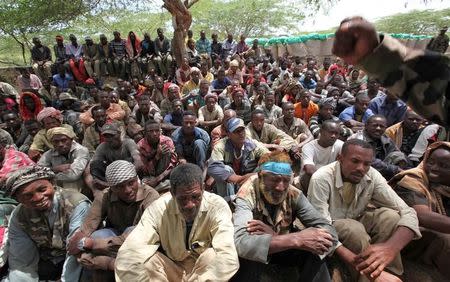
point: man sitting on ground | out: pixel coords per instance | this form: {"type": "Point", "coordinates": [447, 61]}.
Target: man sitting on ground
{"type": "Point", "coordinates": [211, 114]}
{"type": "Point", "coordinates": [320, 152]}
{"type": "Point", "coordinates": [158, 156]}
{"type": "Point", "coordinates": [327, 107]}
{"type": "Point", "coordinates": [67, 159]}
{"type": "Point", "coordinates": [113, 111]}
{"type": "Point", "coordinates": [372, 237]}
{"type": "Point", "coordinates": [191, 142]}
{"type": "Point", "coordinates": [388, 158]}
{"type": "Point", "coordinates": [234, 159]}
{"type": "Point", "coordinates": [190, 252]}
{"type": "Point", "coordinates": [121, 207]}
{"type": "Point", "coordinates": [115, 147]}
{"type": "Point", "coordinates": [425, 188]}
{"type": "Point", "coordinates": [266, 239]}
{"type": "Point", "coordinates": [292, 126]}
{"type": "Point", "coordinates": [41, 225]}
{"type": "Point", "coordinates": [356, 116]}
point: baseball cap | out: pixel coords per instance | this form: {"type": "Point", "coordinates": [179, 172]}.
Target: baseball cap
{"type": "Point", "coordinates": [234, 123]}
{"type": "Point", "coordinates": [110, 128]}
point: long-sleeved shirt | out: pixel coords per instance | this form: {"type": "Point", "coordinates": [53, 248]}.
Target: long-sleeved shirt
{"type": "Point", "coordinates": [228, 48]}
{"type": "Point", "coordinates": [223, 155]}
{"type": "Point", "coordinates": [297, 127]}
{"type": "Point", "coordinates": [350, 114]}
{"type": "Point", "coordinates": [418, 77]}
{"type": "Point", "coordinates": [78, 159]}
{"type": "Point", "coordinates": [155, 163]}
{"type": "Point", "coordinates": [203, 46]}
{"type": "Point", "coordinates": [74, 51]}
{"type": "Point", "coordinates": [180, 142]}
{"type": "Point", "coordinates": [250, 205]}
{"type": "Point", "coordinates": [105, 155]}
{"type": "Point", "coordinates": [315, 123]}
{"type": "Point", "coordinates": [23, 253]}
{"type": "Point", "coordinates": [117, 214]}
{"type": "Point", "coordinates": [162, 46]}
{"type": "Point", "coordinates": [325, 193]}
{"type": "Point", "coordinates": [382, 148]}
{"type": "Point", "coordinates": [163, 226]}
{"type": "Point", "coordinates": [41, 53]}
{"type": "Point", "coordinates": [393, 112]}
{"type": "Point", "coordinates": [272, 135]}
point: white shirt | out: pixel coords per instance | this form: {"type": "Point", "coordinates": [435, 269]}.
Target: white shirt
{"type": "Point", "coordinates": [314, 154]}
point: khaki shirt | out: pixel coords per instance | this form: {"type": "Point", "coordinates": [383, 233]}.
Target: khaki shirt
{"type": "Point", "coordinates": [271, 135]}
{"type": "Point", "coordinates": [162, 225]}
{"type": "Point", "coordinates": [325, 193]}
{"type": "Point", "coordinates": [297, 127]}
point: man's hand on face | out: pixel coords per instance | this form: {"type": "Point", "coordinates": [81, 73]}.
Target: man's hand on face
{"type": "Point", "coordinates": [315, 240]}
{"type": "Point", "coordinates": [257, 227]}
{"type": "Point", "coordinates": [355, 39]}
{"type": "Point", "coordinates": [372, 261]}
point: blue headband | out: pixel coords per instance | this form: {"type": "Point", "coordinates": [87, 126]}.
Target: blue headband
{"type": "Point", "coordinates": [277, 168]}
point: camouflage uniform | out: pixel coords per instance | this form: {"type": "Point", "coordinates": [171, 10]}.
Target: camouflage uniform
{"type": "Point", "coordinates": [418, 77]}
{"type": "Point", "coordinates": [69, 208]}
{"type": "Point", "coordinates": [438, 44]}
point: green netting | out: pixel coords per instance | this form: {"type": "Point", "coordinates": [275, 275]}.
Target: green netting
{"type": "Point", "coordinates": [317, 36]}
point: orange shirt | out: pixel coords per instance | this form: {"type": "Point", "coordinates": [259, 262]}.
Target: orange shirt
{"type": "Point", "coordinates": [305, 113]}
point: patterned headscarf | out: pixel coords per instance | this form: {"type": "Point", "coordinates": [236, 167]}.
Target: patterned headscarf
{"type": "Point", "coordinates": [49, 112]}
{"type": "Point", "coordinates": [119, 171]}
{"type": "Point", "coordinates": [26, 175]}
{"type": "Point", "coordinates": [60, 131]}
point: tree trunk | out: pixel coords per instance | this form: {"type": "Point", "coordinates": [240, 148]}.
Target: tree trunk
{"type": "Point", "coordinates": [22, 45]}
{"type": "Point", "coordinates": [181, 21]}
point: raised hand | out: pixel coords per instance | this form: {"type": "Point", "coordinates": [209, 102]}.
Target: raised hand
{"type": "Point", "coordinates": [355, 39]}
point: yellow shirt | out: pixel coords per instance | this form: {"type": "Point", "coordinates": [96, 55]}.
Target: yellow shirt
{"type": "Point", "coordinates": [163, 225]}
{"type": "Point", "coordinates": [40, 141]}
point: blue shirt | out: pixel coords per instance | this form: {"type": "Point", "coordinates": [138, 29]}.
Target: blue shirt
{"type": "Point", "coordinates": [394, 112]}
{"type": "Point", "coordinates": [203, 46]}
{"type": "Point", "coordinates": [220, 85]}
{"type": "Point", "coordinates": [308, 85]}
{"type": "Point", "coordinates": [62, 83]}
{"type": "Point", "coordinates": [349, 113]}
{"type": "Point", "coordinates": [180, 143]}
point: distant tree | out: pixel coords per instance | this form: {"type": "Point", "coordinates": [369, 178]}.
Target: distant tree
{"type": "Point", "coordinates": [415, 22]}
{"type": "Point", "coordinates": [253, 18]}
{"type": "Point", "coordinates": [20, 17]}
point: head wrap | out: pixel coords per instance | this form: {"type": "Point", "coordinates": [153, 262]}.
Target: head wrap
{"type": "Point", "coordinates": [329, 101]}
{"type": "Point", "coordinates": [59, 37]}
{"type": "Point", "coordinates": [26, 175]}
{"type": "Point", "coordinates": [276, 168]}
{"type": "Point", "coordinates": [49, 112]}
{"type": "Point", "coordinates": [60, 131]}
{"type": "Point", "coordinates": [195, 69]}
{"type": "Point", "coordinates": [119, 171]}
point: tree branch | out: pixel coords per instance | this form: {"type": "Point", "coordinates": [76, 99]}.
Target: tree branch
{"type": "Point", "coordinates": [189, 5]}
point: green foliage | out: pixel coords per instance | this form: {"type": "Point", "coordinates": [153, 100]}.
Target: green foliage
{"type": "Point", "coordinates": [22, 16]}
{"type": "Point", "coordinates": [253, 18]}
{"type": "Point", "coordinates": [415, 22]}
